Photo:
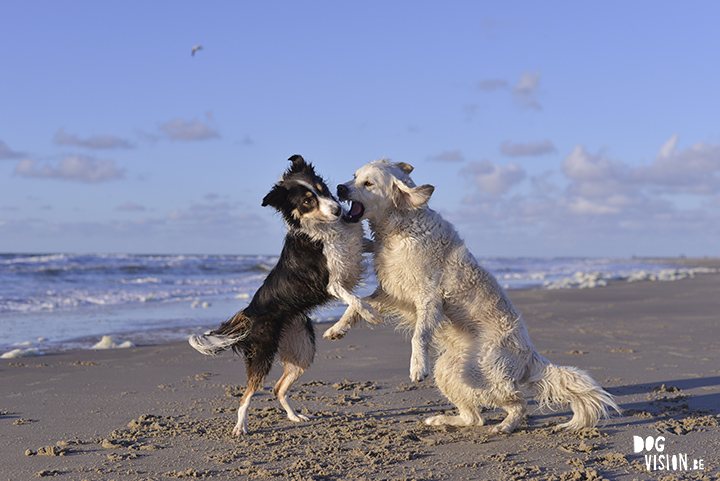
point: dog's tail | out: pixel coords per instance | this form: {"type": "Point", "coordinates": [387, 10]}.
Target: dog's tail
{"type": "Point", "coordinates": [229, 335]}
{"type": "Point", "coordinates": [567, 385]}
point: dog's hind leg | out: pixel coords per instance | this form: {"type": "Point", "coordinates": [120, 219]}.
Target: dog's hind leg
{"type": "Point", "coordinates": [256, 374]}
{"type": "Point", "coordinates": [297, 350]}
{"type": "Point", "coordinates": [259, 357]}
{"type": "Point", "coordinates": [451, 372]}
{"type": "Point", "coordinates": [291, 373]}
{"type": "Point", "coordinates": [503, 388]}
{"type": "Point", "coordinates": [516, 407]}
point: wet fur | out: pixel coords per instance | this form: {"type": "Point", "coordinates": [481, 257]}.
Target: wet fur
{"type": "Point", "coordinates": [433, 286]}
{"type": "Point", "coordinates": [321, 259]}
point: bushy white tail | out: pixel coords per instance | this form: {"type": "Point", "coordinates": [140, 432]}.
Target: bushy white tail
{"type": "Point", "coordinates": [229, 334]}
{"type": "Point", "coordinates": [212, 344]}
{"type": "Point", "coordinates": [566, 385]}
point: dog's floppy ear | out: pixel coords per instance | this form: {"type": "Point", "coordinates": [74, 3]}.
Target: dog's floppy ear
{"type": "Point", "coordinates": [409, 198]}
{"type": "Point", "coordinates": [276, 197]}
{"type": "Point", "coordinates": [407, 168]}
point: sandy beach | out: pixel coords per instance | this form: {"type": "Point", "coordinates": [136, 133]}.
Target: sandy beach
{"type": "Point", "coordinates": [157, 412]}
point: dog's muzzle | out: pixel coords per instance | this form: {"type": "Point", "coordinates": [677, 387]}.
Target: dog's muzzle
{"type": "Point", "coordinates": [356, 208]}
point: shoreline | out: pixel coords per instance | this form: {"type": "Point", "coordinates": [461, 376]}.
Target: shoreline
{"type": "Point", "coordinates": [177, 321]}
{"type": "Point", "coordinates": [166, 412]}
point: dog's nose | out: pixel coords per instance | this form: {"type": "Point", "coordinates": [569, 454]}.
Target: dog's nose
{"type": "Point", "coordinates": [342, 191]}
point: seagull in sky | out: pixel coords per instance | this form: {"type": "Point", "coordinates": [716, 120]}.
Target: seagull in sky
{"type": "Point", "coordinates": [195, 49]}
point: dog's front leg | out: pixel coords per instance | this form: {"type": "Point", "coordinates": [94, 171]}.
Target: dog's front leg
{"type": "Point", "coordinates": [429, 317]}
{"type": "Point", "coordinates": [352, 315]}
{"type": "Point", "coordinates": [340, 328]}
{"type": "Point", "coordinates": [355, 303]}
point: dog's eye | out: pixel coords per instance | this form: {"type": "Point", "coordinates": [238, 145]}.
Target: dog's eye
{"type": "Point", "coordinates": [308, 201]}
{"type": "Point", "coordinates": [368, 183]}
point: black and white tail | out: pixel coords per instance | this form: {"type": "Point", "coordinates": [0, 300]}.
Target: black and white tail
{"type": "Point", "coordinates": [227, 336]}
{"type": "Point", "coordinates": [566, 385]}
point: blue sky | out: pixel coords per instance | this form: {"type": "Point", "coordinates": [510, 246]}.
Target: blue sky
{"type": "Point", "coordinates": [547, 128]}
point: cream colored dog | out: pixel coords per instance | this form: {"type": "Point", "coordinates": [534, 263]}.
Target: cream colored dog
{"type": "Point", "coordinates": [433, 286]}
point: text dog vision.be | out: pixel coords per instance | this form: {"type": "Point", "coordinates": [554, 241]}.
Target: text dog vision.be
{"type": "Point", "coordinates": [663, 462]}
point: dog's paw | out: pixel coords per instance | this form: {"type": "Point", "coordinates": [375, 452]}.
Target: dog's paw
{"type": "Point", "coordinates": [501, 429]}
{"type": "Point", "coordinates": [436, 420]}
{"type": "Point", "coordinates": [240, 429]}
{"type": "Point", "coordinates": [297, 417]}
{"type": "Point", "coordinates": [335, 333]}
{"type": "Point", "coordinates": [419, 369]}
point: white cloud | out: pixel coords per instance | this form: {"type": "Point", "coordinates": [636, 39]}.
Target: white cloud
{"type": "Point", "coordinates": [669, 147]}
{"type": "Point", "coordinates": [599, 205]}
{"type": "Point", "coordinates": [447, 156]}
{"type": "Point", "coordinates": [596, 185]}
{"type": "Point", "coordinates": [525, 91]}
{"type": "Point", "coordinates": [95, 142]}
{"type": "Point", "coordinates": [233, 228]}
{"type": "Point", "coordinates": [7, 153]}
{"type": "Point", "coordinates": [74, 168]}
{"type": "Point", "coordinates": [695, 170]}
{"type": "Point", "coordinates": [542, 147]}
{"type": "Point", "coordinates": [178, 129]}
{"type": "Point", "coordinates": [581, 166]}
{"type": "Point", "coordinates": [494, 179]}
{"type": "Point", "coordinates": [585, 206]}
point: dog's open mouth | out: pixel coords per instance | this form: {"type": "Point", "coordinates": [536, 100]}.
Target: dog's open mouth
{"type": "Point", "coordinates": [355, 213]}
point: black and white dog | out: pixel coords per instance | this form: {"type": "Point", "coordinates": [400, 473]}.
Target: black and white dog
{"type": "Point", "coordinates": [321, 259]}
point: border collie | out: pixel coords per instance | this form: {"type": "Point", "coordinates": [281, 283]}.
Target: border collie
{"type": "Point", "coordinates": [429, 279]}
{"type": "Point", "coordinates": [321, 259]}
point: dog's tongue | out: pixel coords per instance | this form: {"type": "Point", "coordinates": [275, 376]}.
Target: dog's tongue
{"type": "Point", "coordinates": [356, 212]}
{"type": "Point", "coordinates": [355, 209]}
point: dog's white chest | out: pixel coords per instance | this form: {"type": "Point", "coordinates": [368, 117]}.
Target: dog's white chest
{"type": "Point", "coordinates": [344, 259]}
{"type": "Point", "coordinates": [398, 272]}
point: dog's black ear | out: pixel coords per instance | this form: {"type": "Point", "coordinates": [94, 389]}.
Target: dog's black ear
{"type": "Point", "coordinates": [298, 164]}
{"type": "Point", "coordinates": [276, 197]}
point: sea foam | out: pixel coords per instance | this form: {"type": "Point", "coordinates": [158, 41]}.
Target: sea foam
{"type": "Point", "coordinates": [16, 353]}
{"type": "Point", "coordinates": [107, 342]}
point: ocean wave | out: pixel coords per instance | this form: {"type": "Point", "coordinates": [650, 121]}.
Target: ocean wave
{"type": "Point", "coordinates": [142, 280]}
{"type": "Point", "coordinates": [30, 283]}
{"type": "Point", "coordinates": [54, 264]}
{"type": "Point", "coordinates": [73, 299]}
{"type": "Point", "coordinates": [589, 280]}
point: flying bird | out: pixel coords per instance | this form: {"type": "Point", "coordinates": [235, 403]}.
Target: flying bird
{"type": "Point", "coordinates": [195, 49]}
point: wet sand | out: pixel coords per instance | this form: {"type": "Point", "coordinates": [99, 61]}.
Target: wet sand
{"type": "Point", "coordinates": [166, 412]}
